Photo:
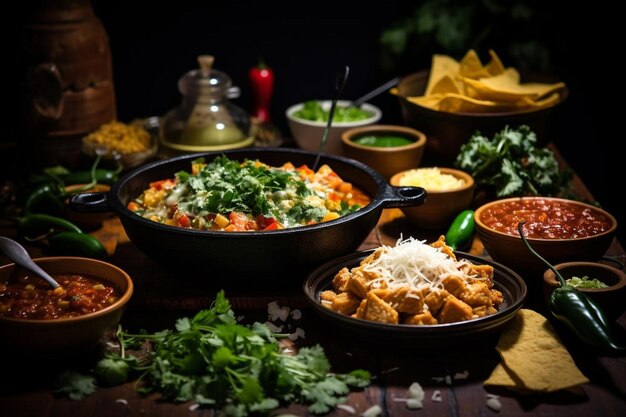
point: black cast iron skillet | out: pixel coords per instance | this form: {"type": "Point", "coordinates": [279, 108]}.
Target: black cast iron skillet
{"type": "Point", "coordinates": [251, 255]}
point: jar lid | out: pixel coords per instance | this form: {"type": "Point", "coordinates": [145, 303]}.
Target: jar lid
{"type": "Point", "coordinates": [213, 82]}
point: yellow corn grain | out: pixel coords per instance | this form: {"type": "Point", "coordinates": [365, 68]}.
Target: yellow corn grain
{"type": "Point", "coordinates": [221, 221]}
{"type": "Point", "coordinates": [331, 215]}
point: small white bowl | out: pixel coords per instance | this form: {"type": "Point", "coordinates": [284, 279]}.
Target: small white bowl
{"type": "Point", "coordinates": [308, 134]}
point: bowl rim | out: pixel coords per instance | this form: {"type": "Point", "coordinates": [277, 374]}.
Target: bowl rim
{"type": "Point", "coordinates": [377, 114]}
{"type": "Point", "coordinates": [480, 226]}
{"type": "Point", "coordinates": [346, 137]}
{"type": "Point", "coordinates": [563, 95]}
{"type": "Point", "coordinates": [63, 321]}
{"type": "Point", "coordinates": [549, 278]}
{"type": "Point", "coordinates": [469, 180]}
{"type": "Point", "coordinates": [319, 278]}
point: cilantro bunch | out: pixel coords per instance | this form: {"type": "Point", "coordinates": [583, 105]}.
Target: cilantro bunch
{"type": "Point", "coordinates": [512, 164]}
{"type": "Point", "coordinates": [213, 360]}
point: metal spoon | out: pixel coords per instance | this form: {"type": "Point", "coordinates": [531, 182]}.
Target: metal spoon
{"type": "Point", "coordinates": [16, 252]}
{"type": "Point", "coordinates": [391, 83]}
{"type": "Point", "coordinates": [340, 82]}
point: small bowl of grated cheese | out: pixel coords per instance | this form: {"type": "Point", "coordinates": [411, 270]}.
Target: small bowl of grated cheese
{"type": "Point", "coordinates": [130, 144]}
{"type": "Point", "coordinates": [450, 191]}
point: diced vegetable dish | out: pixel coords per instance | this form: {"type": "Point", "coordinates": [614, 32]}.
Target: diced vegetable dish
{"type": "Point", "coordinates": [227, 195]}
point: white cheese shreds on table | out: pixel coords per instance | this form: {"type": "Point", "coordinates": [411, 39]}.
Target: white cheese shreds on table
{"type": "Point", "coordinates": [415, 264]}
{"type": "Point", "coordinates": [373, 411]}
{"type": "Point", "coordinates": [494, 403]}
{"type": "Point", "coordinates": [277, 312]}
{"type": "Point", "coordinates": [462, 375]}
{"type": "Point", "coordinates": [432, 179]}
{"type": "Point", "coordinates": [416, 391]}
{"type": "Point", "coordinates": [194, 407]}
{"type": "Point", "coordinates": [299, 333]}
{"type": "Point", "coordinates": [347, 408]}
{"type": "Point", "coordinates": [438, 378]}
{"type": "Point", "coordinates": [296, 314]}
{"type": "Point", "coordinates": [436, 397]}
{"type": "Point", "coordinates": [274, 328]}
{"type": "Point", "coordinates": [413, 404]}
{"type": "Point", "coordinates": [448, 380]}
{"type": "Point", "coordinates": [122, 401]}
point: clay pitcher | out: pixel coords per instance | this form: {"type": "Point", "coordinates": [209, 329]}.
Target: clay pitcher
{"type": "Point", "coordinates": [69, 82]}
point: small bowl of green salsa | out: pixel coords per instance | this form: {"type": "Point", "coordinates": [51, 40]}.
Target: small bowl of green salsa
{"type": "Point", "coordinates": [386, 148]}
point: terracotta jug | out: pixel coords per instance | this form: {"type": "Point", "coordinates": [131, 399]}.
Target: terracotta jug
{"type": "Point", "coordinates": [69, 83]}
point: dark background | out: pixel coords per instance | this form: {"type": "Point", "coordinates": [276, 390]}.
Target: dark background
{"type": "Point", "coordinates": [306, 43]}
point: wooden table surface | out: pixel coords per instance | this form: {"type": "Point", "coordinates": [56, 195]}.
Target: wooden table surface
{"type": "Point", "coordinates": [162, 296]}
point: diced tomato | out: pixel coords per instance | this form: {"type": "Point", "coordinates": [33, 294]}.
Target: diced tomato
{"type": "Point", "coordinates": [273, 226]}
{"type": "Point", "coordinates": [263, 222]}
{"type": "Point", "coordinates": [132, 206]}
{"type": "Point", "coordinates": [163, 184]}
{"type": "Point", "coordinates": [305, 170]}
{"type": "Point", "coordinates": [334, 197]}
{"type": "Point", "coordinates": [183, 220]}
{"type": "Point", "coordinates": [241, 221]}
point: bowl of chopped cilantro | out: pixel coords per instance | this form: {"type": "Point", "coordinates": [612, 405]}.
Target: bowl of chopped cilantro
{"type": "Point", "coordinates": [307, 122]}
{"type": "Point", "coordinates": [604, 283]}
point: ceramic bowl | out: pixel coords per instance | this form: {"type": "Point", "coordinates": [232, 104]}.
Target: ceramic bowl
{"type": "Point", "coordinates": [611, 299]}
{"type": "Point", "coordinates": [386, 160]}
{"type": "Point", "coordinates": [448, 131]}
{"type": "Point", "coordinates": [440, 207]}
{"type": "Point", "coordinates": [66, 334]}
{"type": "Point", "coordinates": [511, 251]}
{"type": "Point", "coordinates": [308, 133]}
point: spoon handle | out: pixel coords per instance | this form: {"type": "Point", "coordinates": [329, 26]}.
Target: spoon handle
{"type": "Point", "coordinates": [391, 83]}
{"type": "Point", "coordinates": [340, 82]}
{"type": "Point", "coordinates": [16, 252]}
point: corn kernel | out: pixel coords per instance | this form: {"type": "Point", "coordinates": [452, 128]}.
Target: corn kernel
{"type": "Point", "coordinates": [221, 221]}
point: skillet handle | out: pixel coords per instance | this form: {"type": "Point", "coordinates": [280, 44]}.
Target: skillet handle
{"type": "Point", "coordinates": [394, 197]}
{"type": "Point", "coordinates": [91, 202]}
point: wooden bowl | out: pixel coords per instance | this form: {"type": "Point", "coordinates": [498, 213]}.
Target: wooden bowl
{"type": "Point", "coordinates": [64, 335]}
{"type": "Point", "coordinates": [448, 131]}
{"type": "Point", "coordinates": [511, 251]}
{"type": "Point", "coordinates": [386, 160]}
{"type": "Point", "coordinates": [610, 299]}
{"type": "Point", "coordinates": [440, 207]}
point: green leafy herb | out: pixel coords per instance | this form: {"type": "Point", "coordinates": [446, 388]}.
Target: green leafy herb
{"type": "Point", "coordinates": [585, 282]}
{"type": "Point", "coordinates": [512, 165]}
{"type": "Point", "coordinates": [213, 360]}
{"type": "Point", "coordinates": [312, 110]}
{"type": "Point", "coordinates": [75, 385]}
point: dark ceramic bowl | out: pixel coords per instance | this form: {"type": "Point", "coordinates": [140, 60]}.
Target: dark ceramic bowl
{"type": "Point", "coordinates": [611, 299]}
{"type": "Point", "coordinates": [508, 282]}
{"type": "Point", "coordinates": [446, 132]}
{"type": "Point", "coordinates": [255, 255]}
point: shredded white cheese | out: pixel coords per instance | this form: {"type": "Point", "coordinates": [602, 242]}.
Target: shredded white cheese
{"type": "Point", "coordinates": [347, 408]}
{"type": "Point", "coordinates": [431, 179]}
{"type": "Point", "coordinates": [122, 401]}
{"type": "Point", "coordinates": [436, 397]}
{"type": "Point", "coordinates": [277, 312]}
{"type": "Point", "coordinates": [461, 375]}
{"type": "Point", "coordinates": [299, 333]}
{"type": "Point", "coordinates": [373, 411]}
{"type": "Point", "coordinates": [273, 328]}
{"type": "Point", "coordinates": [194, 407]}
{"type": "Point", "coordinates": [416, 396]}
{"type": "Point", "coordinates": [494, 403]}
{"type": "Point", "coordinates": [413, 404]}
{"type": "Point", "coordinates": [415, 264]}
{"type": "Point", "coordinates": [296, 314]}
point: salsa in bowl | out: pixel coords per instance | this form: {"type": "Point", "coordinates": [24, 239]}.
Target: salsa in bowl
{"type": "Point", "coordinates": [560, 230]}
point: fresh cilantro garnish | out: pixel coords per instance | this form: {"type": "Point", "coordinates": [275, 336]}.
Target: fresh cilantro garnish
{"type": "Point", "coordinates": [213, 360]}
{"type": "Point", "coordinates": [75, 385]}
{"type": "Point", "coordinates": [512, 165]}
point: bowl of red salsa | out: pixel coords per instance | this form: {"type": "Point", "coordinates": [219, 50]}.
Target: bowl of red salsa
{"type": "Point", "coordinates": [559, 229]}
{"type": "Point", "coordinates": [35, 317]}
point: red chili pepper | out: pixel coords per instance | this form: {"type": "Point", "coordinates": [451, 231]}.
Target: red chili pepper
{"type": "Point", "coordinates": [262, 83]}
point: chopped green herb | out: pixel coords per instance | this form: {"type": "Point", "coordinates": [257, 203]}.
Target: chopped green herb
{"type": "Point", "coordinates": [512, 165]}
{"type": "Point", "coordinates": [75, 385]}
{"type": "Point", "coordinates": [213, 360]}
{"type": "Point", "coordinates": [312, 110]}
{"type": "Point", "coordinates": [585, 282]}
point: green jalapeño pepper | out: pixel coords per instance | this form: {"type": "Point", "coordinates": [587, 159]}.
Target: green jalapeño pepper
{"type": "Point", "coordinates": [78, 244]}
{"type": "Point", "coordinates": [46, 198]}
{"type": "Point", "coordinates": [461, 230]}
{"type": "Point", "coordinates": [37, 225]}
{"type": "Point", "coordinates": [578, 312]}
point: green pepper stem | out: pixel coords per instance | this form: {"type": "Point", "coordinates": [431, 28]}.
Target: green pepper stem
{"type": "Point", "coordinates": [520, 229]}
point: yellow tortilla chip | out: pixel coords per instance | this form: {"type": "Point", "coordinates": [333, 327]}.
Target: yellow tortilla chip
{"type": "Point", "coordinates": [441, 66]}
{"type": "Point", "coordinates": [446, 84]}
{"type": "Point", "coordinates": [457, 103]}
{"type": "Point", "coordinates": [432, 101]}
{"type": "Point", "coordinates": [509, 83]}
{"type": "Point", "coordinates": [533, 358]}
{"type": "Point", "coordinates": [495, 66]}
{"type": "Point", "coordinates": [471, 67]}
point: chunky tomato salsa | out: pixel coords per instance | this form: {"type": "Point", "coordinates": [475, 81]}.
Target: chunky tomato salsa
{"type": "Point", "coordinates": [32, 298]}
{"type": "Point", "coordinates": [545, 219]}
{"type": "Point", "coordinates": [230, 196]}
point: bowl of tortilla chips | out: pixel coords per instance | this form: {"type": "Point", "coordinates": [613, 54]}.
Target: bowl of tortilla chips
{"type": "Point", "coordinates": [454, 99]}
